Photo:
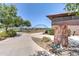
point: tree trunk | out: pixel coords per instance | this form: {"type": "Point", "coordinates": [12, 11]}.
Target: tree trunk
{"type": "Point", "coordinates": [6, 28]}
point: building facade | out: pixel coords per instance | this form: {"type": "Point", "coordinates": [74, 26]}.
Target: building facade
{"type": "Point", "coordinates": [66, 18]}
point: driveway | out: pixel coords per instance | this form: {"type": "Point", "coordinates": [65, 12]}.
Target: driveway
{"type": "Point", "coordinates": [22, 45]}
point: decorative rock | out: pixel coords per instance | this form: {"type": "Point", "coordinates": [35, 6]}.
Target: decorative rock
{"type": "Point", "coordinates": [41, 53]}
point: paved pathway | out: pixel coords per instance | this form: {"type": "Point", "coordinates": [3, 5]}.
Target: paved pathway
{"type": "Point", "coordinates": [19, 46]}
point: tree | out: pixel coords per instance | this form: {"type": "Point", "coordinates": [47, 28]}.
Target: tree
{"type": "Point", "coordinates": [27, 23]}
{"type": "Point", "coordinates": [18, 21]}
{"type": "Point", "coordinates": [72, 7]}
{"type": "Point", "coordinates": [7, 15]}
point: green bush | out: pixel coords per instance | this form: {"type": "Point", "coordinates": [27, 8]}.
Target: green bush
{"type": "Point", "coordinates": [51, 32]}
{"type": "Point", "coordinates": [46, 39]}
{"type": "Point", "coordinates": [16, 30]}
{"type": "Point", "coordinates": [3, 34]}
{"type": "Point", "coordinates": [11, 33]}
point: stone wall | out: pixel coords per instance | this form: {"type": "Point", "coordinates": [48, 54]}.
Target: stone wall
{"type": "Point", "coordinates": [72, 28]}
{"type": "Point", "coordinates": [71, 21]}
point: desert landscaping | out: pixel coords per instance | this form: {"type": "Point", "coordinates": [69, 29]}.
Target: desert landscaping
{"type": "Point", "coordinates": [38, 32]}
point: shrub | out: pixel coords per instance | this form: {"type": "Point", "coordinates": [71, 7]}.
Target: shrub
{"type": "Point", "coordinates": [45, 39]}
{"type": "Point", "coordinates": [11, 33]}
{"type": "Point", "coordinates": [3, 34]}
{"type": "Point", "coordinates": [46, 32]}
{"type": "Point", "coordinates": [51, 31]}
{"type": "Point", "coordinates": [69, 32]}
{"type": "Point", "coordinates": [16, 30]}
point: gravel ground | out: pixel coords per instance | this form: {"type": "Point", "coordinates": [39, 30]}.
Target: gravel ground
{"type": "Point", "coordinates": [73, 49]}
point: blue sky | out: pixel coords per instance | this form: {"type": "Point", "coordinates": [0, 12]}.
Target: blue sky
{"type": "Point", "coordinates": [37, 12]}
